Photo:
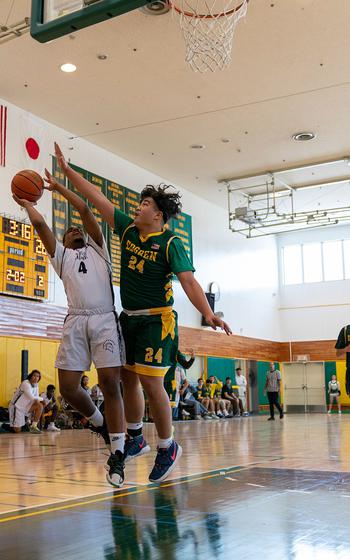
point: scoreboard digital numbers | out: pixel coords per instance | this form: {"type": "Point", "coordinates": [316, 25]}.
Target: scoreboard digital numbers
{"type": "Point", "coordinates": [24, 265]}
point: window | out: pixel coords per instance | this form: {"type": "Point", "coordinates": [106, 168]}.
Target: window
{"type": "Point", "coordinates": [346, 253]}
{"type": "Point", "coordinates": [312, 262]}
{"type": "Point", "coordinates": [333, 260]}
{"type": "Point", "coordinates": [316, 262]}
{"type": "Point", "coordinates": [292, 265]}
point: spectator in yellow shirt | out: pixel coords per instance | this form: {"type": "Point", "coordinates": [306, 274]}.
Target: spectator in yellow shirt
{"type": "Point", "coordinates": [214, 387]}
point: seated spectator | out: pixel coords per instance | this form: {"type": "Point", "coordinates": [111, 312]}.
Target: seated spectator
{"type": "Point", "coordinates": [189, 404]}
{"type": "Point", "coordinates": [84, 382]}
{"type": "Point", "coordinates": [97, 395]}
{"type": "Point", "coordinates": [50, 409]}
{"type": "Point", "coordinates": [228, 395]}
{"type": "Point", "coordinates": [26, 403]}
{"type": "Point", "coordinates": [201, 394]}
{"type": "Point", "coordinates": [220, 406]}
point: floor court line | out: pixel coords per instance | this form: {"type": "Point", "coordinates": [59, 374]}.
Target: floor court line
{"type": "Point", "coordinates": [120, 494]}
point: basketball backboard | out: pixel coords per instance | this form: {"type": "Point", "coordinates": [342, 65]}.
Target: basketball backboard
{"type": "Point", "coordinates": [51, 19]}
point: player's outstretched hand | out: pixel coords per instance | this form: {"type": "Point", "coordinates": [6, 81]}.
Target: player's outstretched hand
{"type": "Point", "coordinates": [215, 321]}
{"type": "Point", "coordinates": [50, 180]}
{"type": "Point", "coordinates": [23, 202]}
{"type": "Point", "coordinates": [60, 159]}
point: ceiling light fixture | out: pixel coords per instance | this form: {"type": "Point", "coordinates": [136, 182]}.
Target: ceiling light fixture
{"type": "Point", "coordinates": [303, 136]}
{"type": "Point", "coordinates": [197, 147]}
{"type": "Point", "coordinates": [102, 56]}
{"type": "Point", "coordinates": [68, 67]}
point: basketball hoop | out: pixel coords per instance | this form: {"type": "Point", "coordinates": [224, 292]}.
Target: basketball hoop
{"type": "Point", "coordinates": [208, 28]}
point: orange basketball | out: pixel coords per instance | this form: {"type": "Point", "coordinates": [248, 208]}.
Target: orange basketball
{"type": "Point", "coordinates": [27, 184]}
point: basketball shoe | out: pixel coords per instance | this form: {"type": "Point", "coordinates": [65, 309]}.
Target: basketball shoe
{"type": "Point", "coordinates": [102, 431]}
{"type": "Point", "coordinates": [165, 462]}
{"type": "Point", "coordinates": [115, 465]}
{"type": "Point", "coordinates": [135, 447]}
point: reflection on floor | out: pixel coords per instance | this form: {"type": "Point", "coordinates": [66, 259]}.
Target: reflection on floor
{"type": "Point", "coordinates": [247, 488]}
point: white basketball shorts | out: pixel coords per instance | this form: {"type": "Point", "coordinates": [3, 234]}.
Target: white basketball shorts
{"type": "Point", "coordinates": [17, 416]}
{"type": "Point", "coordinates": [91, 338]}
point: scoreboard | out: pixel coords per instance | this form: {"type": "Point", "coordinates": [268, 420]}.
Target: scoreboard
{"type": "Point", "coordinates": [127, 200]}
{"type": "Point", "coordinates": [24, 265]}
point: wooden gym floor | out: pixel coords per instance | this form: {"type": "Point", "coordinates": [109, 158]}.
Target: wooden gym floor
{"type": "Point", "coordinates": [244, 487]}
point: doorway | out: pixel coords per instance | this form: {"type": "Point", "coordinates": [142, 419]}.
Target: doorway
{"type": "Point", "coordinates": [304, 387]}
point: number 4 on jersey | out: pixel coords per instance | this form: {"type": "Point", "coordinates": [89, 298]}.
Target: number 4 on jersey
{"type": "Point", "coordinates": [82, 268]}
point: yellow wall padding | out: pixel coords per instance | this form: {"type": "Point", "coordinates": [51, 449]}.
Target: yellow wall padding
{"type": "Point", "coordinates": [42, 354]}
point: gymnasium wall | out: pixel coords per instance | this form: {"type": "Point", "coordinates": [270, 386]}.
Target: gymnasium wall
{"type": "Point", "coordinates": [316, 310]}
{"type": "Point", "coordinates": [246, 270]}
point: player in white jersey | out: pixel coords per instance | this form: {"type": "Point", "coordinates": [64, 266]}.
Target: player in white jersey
{"type": "Point", "coordinates": [91, 331]}
{"type": "Point", "coordinates": [26, 402]}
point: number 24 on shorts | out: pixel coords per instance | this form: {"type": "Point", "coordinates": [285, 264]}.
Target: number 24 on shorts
{"type": "Point", "coordinates": [150, 356]}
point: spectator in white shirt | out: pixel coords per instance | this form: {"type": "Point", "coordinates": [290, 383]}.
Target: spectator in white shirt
{"type": "Point", "coordinates": [97, 395]}
{"type": "Point", "coordinates": [26, 402]}
{"type": "Point", "coordinates": [242, 388]}
{"type": "Point", "coordinates": [50, 409]}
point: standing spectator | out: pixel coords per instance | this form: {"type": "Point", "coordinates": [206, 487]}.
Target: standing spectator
{"type": "Point", "coordinates": [26, 402]}
{"type": "Point", "coordinates": [178, 369]}
{"type": "Point", "coordinates": [97, 395]}
{"type": "Point", "coordinates": [50, 408]}
{"type": "Point", "coordinates": [242, 389]}
{"type": "Point", "coordinates": [228, 395]}
{"type": "Point", "coordinates": [342, 351]}
{"type": "Point", "coordinates": [272, 388]}
{"type": "Point", "coordinates": [334, 393]}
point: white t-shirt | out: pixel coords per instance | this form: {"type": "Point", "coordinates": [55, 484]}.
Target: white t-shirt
{"type": "Point", "coordinates": [180, 377]}
{"type": "Point", "coordinates": [86, 276]}
{"type": "Point", "coordinates": [46, 399]}
{"type": "Point", "coordinates": [26, 395]}
{"type": "Point", "coordinates": [333, 387]}
{"type": "Point", "coordinates": [242, 383]}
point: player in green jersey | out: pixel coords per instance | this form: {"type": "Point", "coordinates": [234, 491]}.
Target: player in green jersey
{"type": "Point", "coordinates": [150, 255]}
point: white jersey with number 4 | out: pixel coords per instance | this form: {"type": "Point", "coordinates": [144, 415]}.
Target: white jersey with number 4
{"type": "Point", "coordinates": [86, 276]}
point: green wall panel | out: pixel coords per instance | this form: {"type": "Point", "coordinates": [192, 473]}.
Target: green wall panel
{"type": "Point", "coordinates": [222, 368]}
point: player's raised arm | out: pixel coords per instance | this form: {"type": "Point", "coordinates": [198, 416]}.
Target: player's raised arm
{"type": "Point", "coordinates": [87, 189]}
{"type": "Point", "coordinates": [197, 297]}
{"type": "Point", "coordinates": [38, 221]}
{"type": "Point", "coordinates": [90, 223]}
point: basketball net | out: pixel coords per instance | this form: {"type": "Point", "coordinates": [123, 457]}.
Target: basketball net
{"type": "Point", "coordinates": [208, 28]}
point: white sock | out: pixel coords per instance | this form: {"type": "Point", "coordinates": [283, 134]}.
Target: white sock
{"type": "Point", "coordinates": [96, 419]}
{"type": "Point", "coordinates": [34, 424]}
{"type": "Point", "coordinates": [117, 442]}
{"type": "Point", "coordinates": [52, 424]}
{"type": "Point", "coordinates": [165, 443]}
{"type": "Point", "coordinates": [134, 425]}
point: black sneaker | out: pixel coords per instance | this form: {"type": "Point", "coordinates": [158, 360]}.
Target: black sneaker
{"type": "Point", "coordinates": [115, 474]}
{"type": "Point", "coordinates": [281, 415]}
{"type": "Point", "coordinates": [135, 447]}
{"type": "Point", "coordinates": [165, 462]}
{"type": "Point", "coordinates": [102, 431]}
{"type": "Point", "coordinates": [271, 418]}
